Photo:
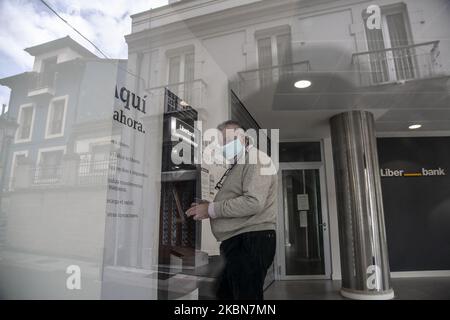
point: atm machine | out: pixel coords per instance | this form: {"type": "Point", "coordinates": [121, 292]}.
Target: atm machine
{"type": "Point", "coordinates": [179, 236]}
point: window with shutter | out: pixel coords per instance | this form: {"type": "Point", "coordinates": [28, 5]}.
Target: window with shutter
{"type": "Point", "coordinates": [25, 117]}
{"type": "Point", "coordinates": [398, 63]}
{"type": "Point", "coordinates": [55, 118]}
{"type": "Point", "coordinates": [181, 73]}
{"type": "Point", "coordinates": [274, 54]}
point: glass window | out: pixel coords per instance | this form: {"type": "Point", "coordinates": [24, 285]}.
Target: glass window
{"type": "Point", "coordinates": [25, 123]}
{"type": "Point", "coordinates": [56, 118]}
{"type": "Point", "coordinates": [182, 74]}
{"type": "Point", "coordinates": [274, 50]}
{"type": "Point", "coordinates": [16, 160]}
{"type": "Point", "coordinates": [390, 58]}
{"type": "Point", "coordinates": [174, 69]}
{"type": "Point", "coordinates": [265, 52]}
{"type": "Point", "coordinates": [284, 51]}
{"type": "Point", "coordinates": [49, 168]}
{"type": "Point", "coordinates": [189, 69]}
{"type": "Point", "coordinates": [48, 71]}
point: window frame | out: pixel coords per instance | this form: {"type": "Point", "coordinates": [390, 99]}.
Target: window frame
{"type": "Point", "coordinates": [49, 113]}
{"type": "Point", "coordinates": [48, 149]}
{"type": "Point", "coordinates": [398, 8]}
{"type": "Point", "coordinates": [13, 165]}
{"type": "Point", "coordinates": [273, 34]}
{"type": "Point", "coordinates": [19, 115]}
{"type": "Point", "coordinates": [180, 52]}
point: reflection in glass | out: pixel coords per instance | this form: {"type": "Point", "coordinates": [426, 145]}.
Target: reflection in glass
{"type": "Point", "coordinates": [303, 222]}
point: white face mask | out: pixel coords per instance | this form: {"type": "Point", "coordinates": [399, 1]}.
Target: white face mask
{"type": "Point", "coordinates": [232, 149]}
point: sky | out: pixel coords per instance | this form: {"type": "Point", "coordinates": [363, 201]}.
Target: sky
{"type": "Point", "coordinates": [25, 23]}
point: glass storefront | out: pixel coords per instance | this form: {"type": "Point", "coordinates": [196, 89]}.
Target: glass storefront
{"type": "Point", "coordinates": [102, 157]}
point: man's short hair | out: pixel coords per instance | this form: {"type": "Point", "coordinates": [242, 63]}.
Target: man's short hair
{"type": "Point", "coordinates": [229, 123]}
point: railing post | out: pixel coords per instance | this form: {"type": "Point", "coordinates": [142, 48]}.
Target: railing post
{"type": "Point", "coordinates": [70, 166]}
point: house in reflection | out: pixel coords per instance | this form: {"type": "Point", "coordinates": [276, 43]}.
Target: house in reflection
{"type": "Point", "coordinates": [287, 64]}
{"type": "Point", "coordinates": [59, 107]}
{"type": "Point", "coordinates": [53, 199]}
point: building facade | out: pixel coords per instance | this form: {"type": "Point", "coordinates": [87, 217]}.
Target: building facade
{"type": "Point", "coordinates": [351, 187]}
{"type": "Point", "coordinates": [237, 59]}
{"type": "Point", "coordinates": [56, 166]}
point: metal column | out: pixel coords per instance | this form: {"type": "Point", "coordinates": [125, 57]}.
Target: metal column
{"type": "Point", "coordinates": [362, 236]}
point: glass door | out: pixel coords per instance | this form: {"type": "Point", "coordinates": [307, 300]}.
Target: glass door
{"type": "Point", "coordinates": [303, 242]}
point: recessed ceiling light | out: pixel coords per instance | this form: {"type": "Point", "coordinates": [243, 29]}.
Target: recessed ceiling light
{"type": "Point", "coordinates": [302, 84]}
{"type": "Point", "coordinates": [415, 126]}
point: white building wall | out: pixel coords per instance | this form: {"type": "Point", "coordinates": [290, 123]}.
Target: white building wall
{"type": "Point", "coordinates": [223, 51]}
{"type": "Point", "coordinates": [63, 55]}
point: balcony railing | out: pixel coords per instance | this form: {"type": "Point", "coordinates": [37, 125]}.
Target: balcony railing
{"type": "Point", "coordinates": [253, 80]}
{"type": "Point", "coordinates": [45, 175]}
{"type": "Point", "coordinates": [192, 93]}
{"type": "Point", "coordinates": [42, 83]}
{"type": "Point", "coordinates": [83, 172]}
{"type": "Point", "coordinates": [403, 63]}
{"type": "Point", "coordinates": [96, 172]}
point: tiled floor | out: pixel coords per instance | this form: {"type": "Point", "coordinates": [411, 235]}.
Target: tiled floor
{"type": "Point", "coordinates": [405, 289]}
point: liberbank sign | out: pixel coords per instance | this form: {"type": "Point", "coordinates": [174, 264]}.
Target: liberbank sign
{"type": "Point", "coordinates": [423, 172]}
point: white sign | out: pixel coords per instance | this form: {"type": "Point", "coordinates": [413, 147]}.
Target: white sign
{"type": "Point", "coordinates": [303, 219]}
{"type": "Point", "coordinates": [207, 185]}
{"type": "Point", "coordinates": [302, 202]}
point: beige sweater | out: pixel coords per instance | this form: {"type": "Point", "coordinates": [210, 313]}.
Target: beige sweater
{"type": "Point", "coordinates": [248, 199]}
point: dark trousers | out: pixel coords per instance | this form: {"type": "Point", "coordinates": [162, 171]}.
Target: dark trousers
{"type": "Point", "coordinates": [247, 257]}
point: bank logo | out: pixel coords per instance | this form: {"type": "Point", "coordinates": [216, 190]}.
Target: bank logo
{"type": "Point", "coordinates": [424, 172]}
{"type": "Point", "coordinates": [186, 131]}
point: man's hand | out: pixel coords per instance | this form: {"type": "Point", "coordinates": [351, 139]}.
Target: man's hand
{"type": "Point", "coordinates": [198, 211]}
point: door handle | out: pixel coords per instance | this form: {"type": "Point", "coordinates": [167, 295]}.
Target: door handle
{"type": "Point", "coordinates": [324, 225]}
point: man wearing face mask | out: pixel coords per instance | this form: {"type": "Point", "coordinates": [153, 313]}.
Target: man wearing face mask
{"type": "Point", "coordinates": [242, 216]}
